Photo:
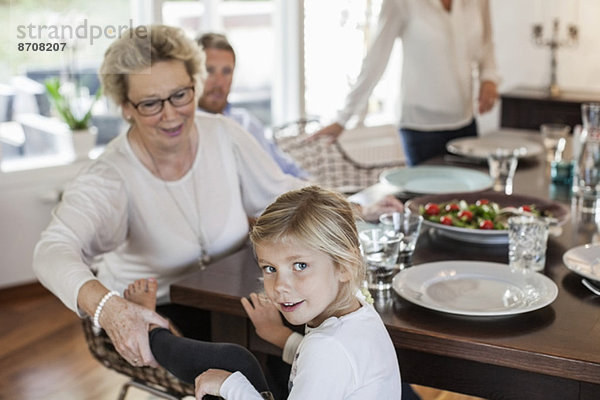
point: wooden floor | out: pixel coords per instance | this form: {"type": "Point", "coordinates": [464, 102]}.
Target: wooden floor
{"type": "Point", "coordinates": [43, 354]}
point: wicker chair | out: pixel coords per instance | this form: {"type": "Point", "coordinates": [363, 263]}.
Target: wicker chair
{"type": "Point", "coordinates": [156, 381]}
{"type": "Point", "coordinates": [329, 165]}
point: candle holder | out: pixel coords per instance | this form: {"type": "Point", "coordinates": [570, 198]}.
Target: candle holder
{"type": "Point", "coordinates": [554, 43]}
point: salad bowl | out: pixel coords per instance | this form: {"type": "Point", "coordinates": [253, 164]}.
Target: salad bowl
{"type": "Point", "coordinates": [471, 233]}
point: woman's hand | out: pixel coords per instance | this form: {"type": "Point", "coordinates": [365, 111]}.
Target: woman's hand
{"type": "Point", "coordinates": [209, 382]}
{"type": "Point", "coordinates": [124, 322]}
{"type": "Point", "coordinates": [488, 94]}
{"type": "Point", "coordinates": [266, 319]}
{"type": "Point", "coordinates": [127, 325]}
{"type": "Point", "coordinates": [331, 132]}
{"type": "Point", "coordinates": [388, 204]}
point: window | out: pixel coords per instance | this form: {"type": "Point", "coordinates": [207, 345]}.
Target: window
{"type": "Point", "coordinates": [248, 26]}
{"type": "Point", "coordinates": [83, 26]}
{"type": "Point", "coordinates": [47, 38]}
{"type": "Point", "coordinates": [336, 36]}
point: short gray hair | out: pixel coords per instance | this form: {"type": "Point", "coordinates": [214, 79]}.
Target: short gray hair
{"type": "Point", "coordinates": [133, 52]}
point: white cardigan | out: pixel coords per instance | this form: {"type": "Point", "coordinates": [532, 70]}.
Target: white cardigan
{"type": "Point", "coordinates": [120, 219]}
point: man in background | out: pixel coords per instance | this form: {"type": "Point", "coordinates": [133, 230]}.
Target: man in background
{"type": "Point", "coordinates": [220, 64]}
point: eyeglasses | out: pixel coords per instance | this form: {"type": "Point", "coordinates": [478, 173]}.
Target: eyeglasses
{"type": "Point", "coordinates": [151, 107]}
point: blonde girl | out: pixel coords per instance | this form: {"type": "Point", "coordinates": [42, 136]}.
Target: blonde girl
{"type": "Point", "coordinates": [306, 244]}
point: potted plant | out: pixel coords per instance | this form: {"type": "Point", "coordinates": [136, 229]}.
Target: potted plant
{"type": "Point", "coordinates": [76, 112]}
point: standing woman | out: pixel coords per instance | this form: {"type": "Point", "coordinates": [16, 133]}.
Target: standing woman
{"type": "Point", "coordinates": [444, 42]}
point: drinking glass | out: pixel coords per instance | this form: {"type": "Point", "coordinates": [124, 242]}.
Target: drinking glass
{"type": "Point", "coordinates": [380, 251]}
{"type": "Point", "coordinates": [552, 136]}
{"type": "Point", "coordinates": [407, 223]}
{"type": "Point", "coordinates": [502, 166]}
{"type": "Point", "coordinates": [527, 240]}
{"type": "Point", "coordinates": [587, 169]}
{"type": "Point", "coordinates": [561, 172]}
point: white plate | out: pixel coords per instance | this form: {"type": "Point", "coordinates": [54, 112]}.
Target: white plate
{"type": "Point", "coordinates": [480, 147]}
{"type": "Point", "coordinates": [484, 236]}
{"type": "Point", "coordinates": [584, 260]}
{"type": "Point", "coordinates": [436, 179]}
{"type": "Point", "coordinates": [475, 288]}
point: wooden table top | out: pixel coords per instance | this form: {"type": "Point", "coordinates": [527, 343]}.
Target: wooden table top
{"type": "Point", "coordinates": [560, 340]}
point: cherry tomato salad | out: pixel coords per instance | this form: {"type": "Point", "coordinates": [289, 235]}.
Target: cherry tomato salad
{"type": "Point", "coordinates": [483, 214]}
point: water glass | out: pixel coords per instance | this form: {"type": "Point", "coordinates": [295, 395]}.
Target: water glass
{"type": "Point", "coordinates": [407, 223]}
{"type": "Point", "coordinates": [380, 251]}
{"type": "Point", "coordinates": [552, 135]}
{"type": "Point", "coordinates": [503, 164]}
{"type": "Point", "coordinates": [586, 184]}
{"type": "Point", "coordinates": [527, 239]}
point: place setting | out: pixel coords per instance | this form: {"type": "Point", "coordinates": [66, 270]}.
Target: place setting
{"type": "Point", "coordinates": [475, 288]}
{"type": "Point", "coordinates": [458, 287]}
{"type": "Point", "coordinates": [500, 156]}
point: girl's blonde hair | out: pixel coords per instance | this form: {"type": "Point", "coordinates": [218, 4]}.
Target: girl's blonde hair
{"type": "Point", "coordinates": [140, 48]}
{"type": "Point", "coordinates": [322, 220]}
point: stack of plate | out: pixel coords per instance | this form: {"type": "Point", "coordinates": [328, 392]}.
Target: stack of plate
{"type": "Point", "coordinates": [480, 147]}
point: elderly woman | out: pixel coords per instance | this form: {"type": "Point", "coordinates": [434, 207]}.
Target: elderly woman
{"type": "Point", "coordinates": [168, 196]}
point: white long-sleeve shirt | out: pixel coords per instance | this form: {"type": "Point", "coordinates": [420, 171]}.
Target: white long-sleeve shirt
{"type": "Point", "coordinates": [253, 125]}
{"type": "Point", "coordinates": [256, 129]}
{"type": "Point", "coordinates": [347, 358]}
{"type": "Point", "coordinates": [118, 218]}
{"type": "Point", "coordinates": [441, 49]}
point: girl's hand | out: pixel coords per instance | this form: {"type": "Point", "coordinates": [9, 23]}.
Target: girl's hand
{"type": "Point", "coordinates": [266, 319]}
{"type": "Point", "coordinates": [209, 382]}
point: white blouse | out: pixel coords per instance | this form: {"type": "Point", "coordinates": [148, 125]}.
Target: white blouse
{"type": "Point", "coordinates": [441, 52]}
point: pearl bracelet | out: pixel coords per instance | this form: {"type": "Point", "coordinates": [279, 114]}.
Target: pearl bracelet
{"type": "Point", "coordinates": [106, 297]}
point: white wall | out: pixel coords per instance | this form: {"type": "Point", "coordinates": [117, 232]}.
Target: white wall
{"type": "Point", "coordinates": [28, 196]}
{"type": "Point", "coordinates": [522, 63]}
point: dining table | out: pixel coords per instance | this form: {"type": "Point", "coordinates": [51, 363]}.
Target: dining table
{"type": "Point", "coordinates": [549, 353]}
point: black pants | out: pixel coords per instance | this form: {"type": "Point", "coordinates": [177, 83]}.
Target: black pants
{"type": "Point", "coordinates": [191, 322]}
{"type": "Point", "coordinates": [187, 358]}
{"type": "Point", "coordinates": [195, 324]}
{"type": "Point", "coordinates": [420, 146]}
